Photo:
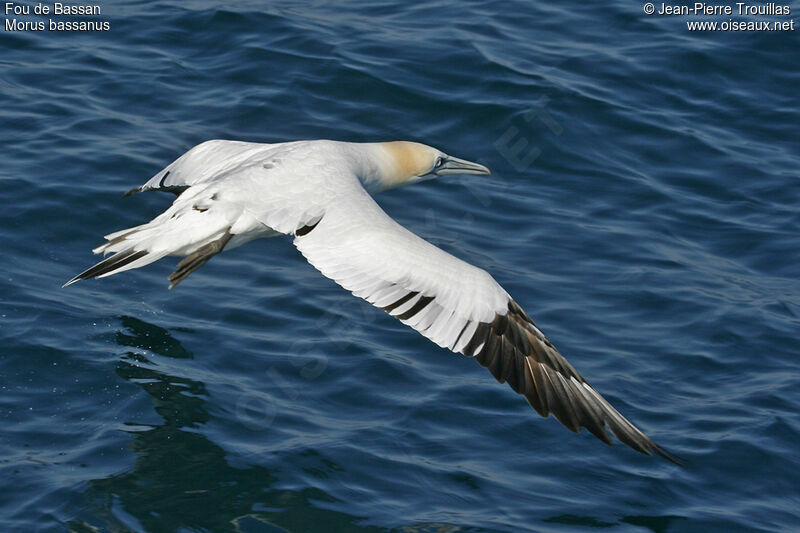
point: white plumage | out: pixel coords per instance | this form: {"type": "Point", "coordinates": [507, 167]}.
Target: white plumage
{"type": "Point", "coordinates": [231, 192]}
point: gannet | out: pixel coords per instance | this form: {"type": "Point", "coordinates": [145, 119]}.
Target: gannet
{"type": "Point", "coordinates": [319, 192]}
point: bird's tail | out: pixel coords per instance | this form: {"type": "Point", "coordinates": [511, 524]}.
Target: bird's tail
{"type": "Point", "coordinates": [165, 235]}
{"type": "Point", "coordinates": [131, 250]}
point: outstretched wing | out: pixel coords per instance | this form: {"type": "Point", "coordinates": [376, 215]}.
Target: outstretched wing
{"type": "Point", "coordinates": [206, 162]}
{"type": "Point", "coordinates": [458, 306]}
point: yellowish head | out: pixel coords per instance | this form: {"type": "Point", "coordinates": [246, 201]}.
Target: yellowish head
{"type": "Point", "coordinates": [408, 162]}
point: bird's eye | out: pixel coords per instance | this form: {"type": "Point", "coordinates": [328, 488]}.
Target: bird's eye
{"type": "Point", "coordinates": [439, 162]}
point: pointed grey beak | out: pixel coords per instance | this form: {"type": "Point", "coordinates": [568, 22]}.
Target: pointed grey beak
{"type": "Point", "coordinates": [454, 165]}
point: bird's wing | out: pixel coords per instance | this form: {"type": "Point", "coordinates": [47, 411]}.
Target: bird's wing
{"type": "Point", "coordinates": [207, 162]}
{"type": "Point", "coordinates": [458, 306]}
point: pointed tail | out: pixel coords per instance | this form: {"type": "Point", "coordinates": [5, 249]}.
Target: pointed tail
{"type": "Point", "coordinates": [198, 234]}
{"type": "Point", "coordinates": [119, 262]}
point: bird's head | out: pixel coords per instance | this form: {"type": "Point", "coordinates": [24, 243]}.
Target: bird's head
{"type": "Point", "coordinates": [406, 162]}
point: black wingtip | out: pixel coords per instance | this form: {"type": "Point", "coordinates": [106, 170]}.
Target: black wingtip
{"type": "Point", "coordinates": [109, 265]}
{"type": "Point", "coordinates": [669, 456]}
{"type": "Point", "coordinates": [177, 190]}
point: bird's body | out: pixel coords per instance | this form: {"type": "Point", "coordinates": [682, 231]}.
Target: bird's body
{"type": "Point", "coordinates": [319, 191]}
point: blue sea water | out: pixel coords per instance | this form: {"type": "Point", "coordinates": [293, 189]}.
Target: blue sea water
{"type": "Point", "coordinates": [643, 209]}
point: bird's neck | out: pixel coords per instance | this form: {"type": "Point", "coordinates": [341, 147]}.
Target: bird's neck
{"type": "Point", "coordinates": [380, 166]}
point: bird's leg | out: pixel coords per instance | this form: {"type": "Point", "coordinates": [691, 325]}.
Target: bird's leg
{"type": "Point", "coordinates": [198, 258]}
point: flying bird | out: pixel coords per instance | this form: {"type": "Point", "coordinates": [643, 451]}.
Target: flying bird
{"type": "Point", "coordinates": [320, 192]}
